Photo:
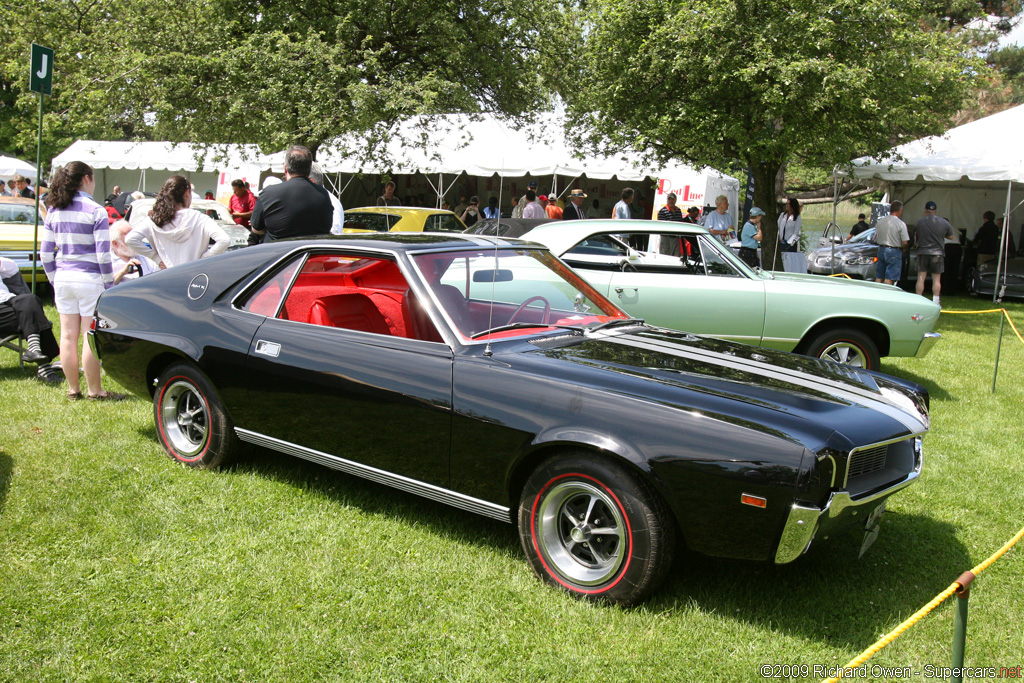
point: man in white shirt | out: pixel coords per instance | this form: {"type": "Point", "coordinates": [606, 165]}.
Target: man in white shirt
{"type": "Point", "coordinates": [621, 210]}
{"type": "Point", "coordinates": [719, 222]}
{"type": "Point", "coordinates": [533, 209]}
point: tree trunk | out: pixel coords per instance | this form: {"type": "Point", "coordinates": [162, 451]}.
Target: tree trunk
{"type": "Point", "coordinates": [765, 172]}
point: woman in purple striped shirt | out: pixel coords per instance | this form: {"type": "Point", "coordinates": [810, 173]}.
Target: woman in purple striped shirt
{"type": "Point", "coordinates": [75, 251]}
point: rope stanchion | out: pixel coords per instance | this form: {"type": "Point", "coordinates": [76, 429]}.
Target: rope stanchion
{"type": "Point", "coordinates": [957, 586]}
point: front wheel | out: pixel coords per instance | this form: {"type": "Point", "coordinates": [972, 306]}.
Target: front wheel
{"type": "Point", "coordinates": [191, 422]}
{"type": "Point", "coordinates": [847, 346]}
{"type": "Point", "coordinates": [595, 529]}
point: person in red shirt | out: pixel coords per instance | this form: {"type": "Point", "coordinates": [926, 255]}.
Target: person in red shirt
{"type": "Point", "coordinates": [242, 203]}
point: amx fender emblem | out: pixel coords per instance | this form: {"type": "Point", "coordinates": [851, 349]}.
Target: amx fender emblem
{"type": "Point", "coordinates": [198, 286]}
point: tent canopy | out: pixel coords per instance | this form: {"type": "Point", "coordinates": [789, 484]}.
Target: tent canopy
{"type": "Point", "coordinates": [159, 156]}
{"type": "Point", "coordinates": [971, 169]}
{"type": "Point", "coordinates": [11, 166]}
{"type": "Point", "coordinates": [480, 146]}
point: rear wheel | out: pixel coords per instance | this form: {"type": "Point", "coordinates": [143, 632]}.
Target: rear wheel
{"type": "Point", "coordinates": [847, 346]}
{"type": "Point", "coordinates": [190, 419]}
{"type": "Point", "coordinates": [595, 529]}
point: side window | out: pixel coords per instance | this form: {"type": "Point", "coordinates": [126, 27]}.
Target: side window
{"type": "Point", "coordinates": [441, 222]}
{"type": "Point", "coordinates": [267, 299]}
{"type": "Point", "coordinates": [599, 245]}
{"type": "Point", "coordinates": [348, 291]}
{"type": "Point", "coordinates": [375, 222]}
{"type": "Point", "coordinates": [715, 263]}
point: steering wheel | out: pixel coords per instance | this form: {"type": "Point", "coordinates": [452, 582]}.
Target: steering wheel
{"type": "Point", "coordinates": [522, 307]}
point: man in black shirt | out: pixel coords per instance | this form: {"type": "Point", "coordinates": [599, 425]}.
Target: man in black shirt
{"type": "Point", "coordinates": [671, 212]}
{"type": "Point", "coordinates": [692, 215]}
{"type": "Point", "coordinates": [859, 228]}
{"type": "Point", "coordinates": [986, 240]}
{"type": "Point", "coordinates": [296, 207]}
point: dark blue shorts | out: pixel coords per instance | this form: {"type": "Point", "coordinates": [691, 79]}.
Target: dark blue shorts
{"type": "Point", "coordinates": [890, 263]}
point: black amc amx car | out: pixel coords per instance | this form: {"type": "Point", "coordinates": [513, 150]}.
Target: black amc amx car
{"type": "Point", "coordinates": [484, 373]}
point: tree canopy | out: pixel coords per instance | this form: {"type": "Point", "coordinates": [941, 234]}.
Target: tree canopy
{"type": "Point", "coordinates": [270, 72]}
{"type": "Point", "coordinates": [713, 81]}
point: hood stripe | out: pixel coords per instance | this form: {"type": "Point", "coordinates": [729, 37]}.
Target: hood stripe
{"type": "Point", "coordinates": [842, 390]}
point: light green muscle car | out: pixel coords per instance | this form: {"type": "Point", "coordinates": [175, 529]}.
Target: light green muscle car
{"type": "Point", "coordinates": [678, 276]}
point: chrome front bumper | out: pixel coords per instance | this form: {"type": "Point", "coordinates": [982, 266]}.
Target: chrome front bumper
{"type": "Point", "coordinates": [841, 510]}
{"type": "Point", "coordinates": [927, 343]}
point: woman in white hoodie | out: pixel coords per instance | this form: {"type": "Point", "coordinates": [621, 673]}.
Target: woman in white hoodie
{"type": "Point", "coordinates": [173, 233]}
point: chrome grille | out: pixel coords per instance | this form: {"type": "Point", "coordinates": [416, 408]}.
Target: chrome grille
{"type": "Point", "coordinates": [867, 461]}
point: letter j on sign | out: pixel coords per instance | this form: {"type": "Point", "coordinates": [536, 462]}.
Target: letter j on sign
{"type": "Point", "coordinates": [41, 75]}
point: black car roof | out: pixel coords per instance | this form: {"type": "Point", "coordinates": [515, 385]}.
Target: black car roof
{"type": "Point", "coordinates": [407, 241]}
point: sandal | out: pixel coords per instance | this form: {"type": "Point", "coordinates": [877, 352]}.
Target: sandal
{"type": "Point", "coordinates": [74, 395]}
{"type": "Point", "coordinates": [107, 395]}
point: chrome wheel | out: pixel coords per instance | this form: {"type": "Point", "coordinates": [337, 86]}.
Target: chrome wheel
{"type": "Point", "coordinates": [582, 532]}
{"type": "Point", "coordinates": [845, 353]}
{"type": "Point", "coordinates": [186, 418]}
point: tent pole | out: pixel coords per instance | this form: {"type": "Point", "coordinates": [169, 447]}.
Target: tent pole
{"type": "Point", "coordinates": [835, 196]}
{"type": "Point", "coordinates": [1002, 242]}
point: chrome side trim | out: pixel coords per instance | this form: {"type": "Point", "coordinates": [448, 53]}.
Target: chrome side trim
{"type": "Point", "coordinates": [927, 343]}
{"type": "Point", "coordinates": [435, 493]}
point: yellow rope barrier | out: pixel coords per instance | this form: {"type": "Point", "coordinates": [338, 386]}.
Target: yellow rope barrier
{"type": "Point", "coordinates": [1005, 313]}
{"type": "Point", "coordinates": [921, 613]}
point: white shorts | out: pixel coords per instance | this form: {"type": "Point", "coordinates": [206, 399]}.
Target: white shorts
{"type": "Point", "coordinates": [77, 298]}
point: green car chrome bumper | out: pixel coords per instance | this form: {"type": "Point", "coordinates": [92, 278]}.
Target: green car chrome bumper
{"type": "Point", "coordinates": [927, 343]}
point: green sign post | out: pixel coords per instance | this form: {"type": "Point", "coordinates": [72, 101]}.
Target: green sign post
{"type": "Point", "coordinates": [40, 80]}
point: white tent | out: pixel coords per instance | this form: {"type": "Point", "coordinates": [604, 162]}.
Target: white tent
{"type": "Point", "coordinates": [971, 169]}
{"type": "Point", "coordinates": [10, 167]}
{"type": "Point", "coordinates": [445, 148]}
{"type": "Point", "coordinates": [146, 165]}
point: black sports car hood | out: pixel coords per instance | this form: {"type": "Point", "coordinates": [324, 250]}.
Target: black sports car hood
{"type": "Point", "coordinates": [656, 364]}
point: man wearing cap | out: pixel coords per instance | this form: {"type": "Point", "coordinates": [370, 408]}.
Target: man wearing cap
{"type": "Point", "coordinates": [892, 238]}
{"type": "Point", "coordinates": [555, 212]}
{"type": "Point", "coordinates": [750, 238]}
{"type": "Point", "coordinates": [518, 211]}
{"type": "Point", "coordinates": [860, 227]}
{"type": "Point", "coordinates": [692, 215]}
{"type": "Point", "coordinates": [930, 235]}
{"type": "Point", "coordinates": [574, 209]}
{"type": "Point", "coordinates": [670, 212]}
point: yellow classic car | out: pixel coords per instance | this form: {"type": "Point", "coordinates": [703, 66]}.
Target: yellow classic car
{"type": "Point", "coordinates": [401, 219]}
{"type": "Point", "coordinates": [17, 222]}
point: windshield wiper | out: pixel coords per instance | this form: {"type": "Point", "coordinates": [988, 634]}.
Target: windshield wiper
{"type": "Point", "coordinates": [524, 325]}
{"type": "Point", "coordinates": [617, 322]}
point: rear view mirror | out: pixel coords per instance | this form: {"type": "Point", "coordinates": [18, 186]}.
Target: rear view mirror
{"type": "Point", "coordinates": [499, 275]}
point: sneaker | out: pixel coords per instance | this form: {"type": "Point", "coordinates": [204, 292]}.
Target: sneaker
{"type": "Point", "coordinates": [50, 377]}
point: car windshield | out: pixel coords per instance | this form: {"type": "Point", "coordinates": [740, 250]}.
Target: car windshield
{"type": "Point", "coordinates": [866, 236]}
{"type": "Point", "coordinates": [17, 213]}
{"type": "Point", "coordinates": [492, 293]}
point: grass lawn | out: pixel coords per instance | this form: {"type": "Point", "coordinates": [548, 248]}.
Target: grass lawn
{"type": "Point", "coordinates": [117, 564]}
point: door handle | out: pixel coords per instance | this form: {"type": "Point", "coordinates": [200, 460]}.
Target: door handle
{"type": "Point", "coordinates": [272, 349]}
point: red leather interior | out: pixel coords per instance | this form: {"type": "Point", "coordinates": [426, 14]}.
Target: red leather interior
{"type": "Point", "coordinates": [368, 295]}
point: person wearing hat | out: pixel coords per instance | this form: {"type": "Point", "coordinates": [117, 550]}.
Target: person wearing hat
{"type": "Point", "coordinates": [860, 227]}
{"type": "Point", "coordinates": [574, 209]}
{"type": "Point", "coordinates": [930, 235]}
{"type": "Point", "coordinates": [670, 212]}
{"type": "Point", "coordinates": [692, 215]}
{"type": "Point", "coordinates": [518, 211]}
{"type": "Point", "coordinates": [555, 212]}
{"type": "Point", "coordinates": [750, 238]}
